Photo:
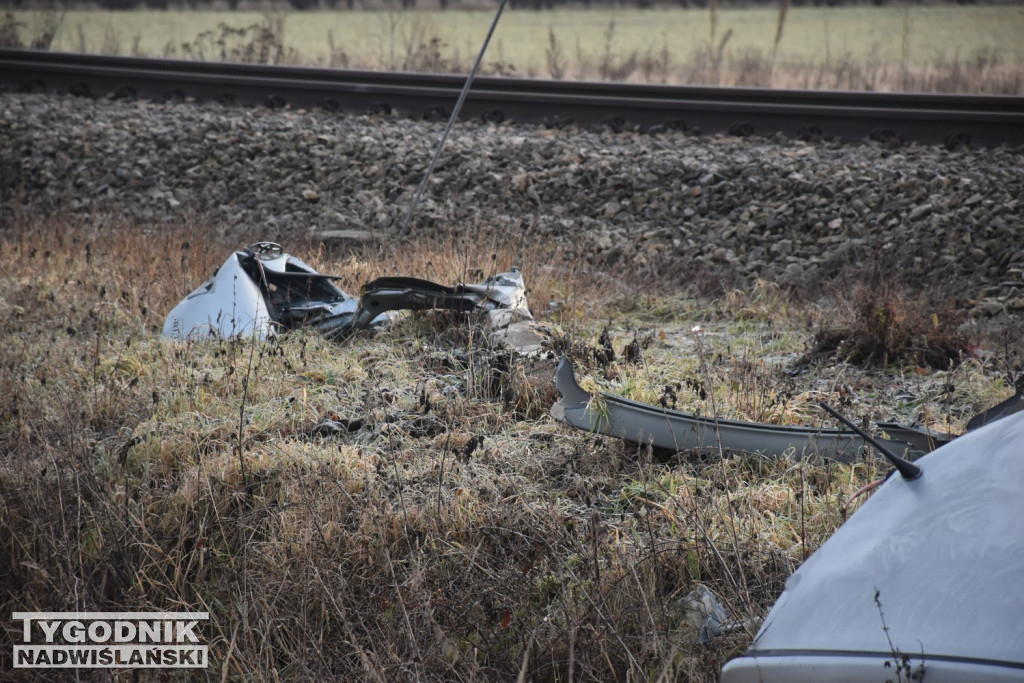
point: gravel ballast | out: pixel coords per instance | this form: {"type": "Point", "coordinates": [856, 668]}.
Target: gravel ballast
{"type": "Point", "coordinates": [777, 209]}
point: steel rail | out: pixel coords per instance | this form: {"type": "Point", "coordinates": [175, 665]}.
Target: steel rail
{"type": "Point", "coordinates": [986, 120]}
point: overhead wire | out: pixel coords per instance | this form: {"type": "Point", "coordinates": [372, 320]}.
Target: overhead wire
{"type": "Point", "coordinates": [451, 121]}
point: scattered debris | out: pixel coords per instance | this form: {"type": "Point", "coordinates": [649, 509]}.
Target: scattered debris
{"type": "Point", "coordinates": [258, 291]}
{"type": "Point", "coordinates": [921, 439]}
{"type": "Point", "coordinates": [330, 426]}
{"type": "Point", "coordinates": [503, 296]}
{"type": "Point", "coordinates": [704, 612]}
{"type": "Point", "coordinates": [1012, 405]}
{"type": "Point", "coordinates": [262, 290]}
{"type": "Point", "coordinates": [675, 430]}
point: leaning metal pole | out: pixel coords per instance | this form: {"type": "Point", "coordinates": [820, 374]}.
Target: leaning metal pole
{"type": "Point", "coordinates": [451, 120]}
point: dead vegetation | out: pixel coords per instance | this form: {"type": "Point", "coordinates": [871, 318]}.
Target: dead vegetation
{"type": "Point", "coordinates": [450, 530]}
{"type": "Point", "coordinates": [882, 323]}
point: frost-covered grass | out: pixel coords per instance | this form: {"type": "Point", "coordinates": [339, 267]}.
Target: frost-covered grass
{"type": "Point", "coordinates": [452, 530]}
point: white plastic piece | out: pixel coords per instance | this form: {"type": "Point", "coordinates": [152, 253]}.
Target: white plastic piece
{"type": "Point", "coordinates": [227, 305]}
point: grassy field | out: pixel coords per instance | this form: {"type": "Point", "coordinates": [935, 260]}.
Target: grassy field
{"type": "Point", "coordinates": [452, 530]}
{"type": "Point", "coordinates": [673, 45]}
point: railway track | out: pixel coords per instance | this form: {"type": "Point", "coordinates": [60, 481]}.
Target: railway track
{"type": "Point", "coordinates": [986, 120]}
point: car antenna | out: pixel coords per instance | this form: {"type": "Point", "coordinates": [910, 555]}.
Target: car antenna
{"type": "Point", "coordinates": [451, 121]}
{"type": "Point", "coordinates": [907, 469]}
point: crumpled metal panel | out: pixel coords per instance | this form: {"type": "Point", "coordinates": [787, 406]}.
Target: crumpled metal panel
{"type": "Point", "coordinates": [504, 292]}
{"type": "Point", "coordinates": [227, 305]}
{"type": "Point", "coordinates": [262, 290]}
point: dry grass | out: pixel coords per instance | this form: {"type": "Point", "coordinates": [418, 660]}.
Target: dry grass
{"type": "Point", "coordinates": [454, 533]}
{"type": "Point", "coordinates": [926, 49]}
{"type": "Point", "coordinates": [883, 323]}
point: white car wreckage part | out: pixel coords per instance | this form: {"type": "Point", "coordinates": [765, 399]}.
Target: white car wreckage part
{"type": "Point", "coordinates": [262, 290]}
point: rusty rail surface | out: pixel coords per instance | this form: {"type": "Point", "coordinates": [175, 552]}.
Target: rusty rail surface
{"type": "Point", "coordinates": [986, 120]}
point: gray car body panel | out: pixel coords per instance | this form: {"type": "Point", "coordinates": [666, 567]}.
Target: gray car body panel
{"type": "Point", "coordinates": [933, 568]}
{"type": "Point", "coordinates": [642, 423]}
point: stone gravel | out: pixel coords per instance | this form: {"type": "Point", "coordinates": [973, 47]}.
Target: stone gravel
{"type": "Point", "coordinates": [791, 212]}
